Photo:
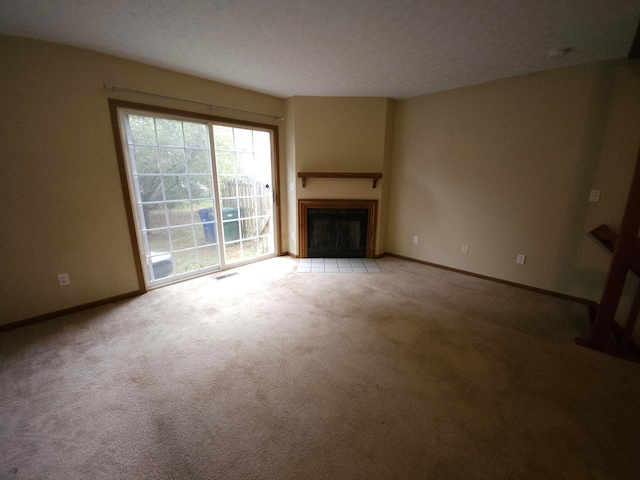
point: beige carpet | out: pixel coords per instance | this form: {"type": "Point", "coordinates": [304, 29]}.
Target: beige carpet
{"type": "Point", "coordinates": [414, 372]}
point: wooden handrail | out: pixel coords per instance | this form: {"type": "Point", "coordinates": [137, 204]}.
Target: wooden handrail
{"type": "Point", "coordinates": [625, 255]}
{"type": "Point", "coordinates": [304, 175]}
{"type": "Point", "coordinates": [609, 238]}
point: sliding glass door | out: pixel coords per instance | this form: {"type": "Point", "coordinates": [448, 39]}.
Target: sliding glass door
{"type": "Point", "coordinates": [244, 179]}
{"type": "Point", "coordinates": [196, 208]}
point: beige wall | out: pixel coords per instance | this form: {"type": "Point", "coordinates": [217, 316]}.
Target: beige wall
{"type": "Point", "coordinates": [62, 204]}
{"type": "Point", "coordinates": [507, 167]}
{"type": "Point", "coordinates": [341, 134]}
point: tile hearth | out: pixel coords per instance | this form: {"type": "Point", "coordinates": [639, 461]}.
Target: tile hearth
{"type": "Point", "coordinates": [337, 265]}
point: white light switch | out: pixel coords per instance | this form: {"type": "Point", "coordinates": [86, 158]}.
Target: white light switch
{"type": "Point", "coordinates": [594, 196]}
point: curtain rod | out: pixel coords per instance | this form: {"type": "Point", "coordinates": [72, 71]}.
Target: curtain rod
{"type": "Point", "coordinates": [114, 88]}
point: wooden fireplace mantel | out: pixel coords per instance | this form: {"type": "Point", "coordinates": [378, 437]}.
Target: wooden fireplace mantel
{"type": "Point", "coordinates": [304, 175]}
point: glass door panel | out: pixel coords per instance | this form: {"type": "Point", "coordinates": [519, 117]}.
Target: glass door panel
{"type": "Point", "coordinates": [243, 162]}
{"type": "Point", "coordinates": [171, 174]}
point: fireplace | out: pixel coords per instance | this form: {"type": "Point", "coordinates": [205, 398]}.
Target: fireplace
{"type": "Point", "coordinates": [337, 228]}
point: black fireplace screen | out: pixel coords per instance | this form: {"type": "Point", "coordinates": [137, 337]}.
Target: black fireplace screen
{"type": "Point", "coordinates": [337, 232]}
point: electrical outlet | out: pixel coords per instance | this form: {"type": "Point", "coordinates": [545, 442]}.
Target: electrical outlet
{"type": "Point", "coordinates": [594, 196]}
{"type": "Point", "coordinates": [63, 279]}
{"type": "Point", "coordinates": [521, 259]}
{"type": "Point", "coordinates": [415, 240]}
{"type": "Point", "coordinates": [465, 248]}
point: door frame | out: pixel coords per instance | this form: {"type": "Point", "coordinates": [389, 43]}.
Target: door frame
{"type": "Point", "coordinates": [115, 105]}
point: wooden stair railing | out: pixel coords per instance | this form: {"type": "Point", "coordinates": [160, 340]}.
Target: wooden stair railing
{"type": "Point", "coordinates": [626, 256]}
{"type": "Point", "coordinates": [623, 336]}
{"type": "Point", "coordinates": [608, 238]}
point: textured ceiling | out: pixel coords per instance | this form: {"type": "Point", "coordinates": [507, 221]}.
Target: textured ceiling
{"type": "Point", "coordinates": [383, 48]}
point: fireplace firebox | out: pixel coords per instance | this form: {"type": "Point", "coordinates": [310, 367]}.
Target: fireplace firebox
{"type": "Point", "coordinates": [337, 228]}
